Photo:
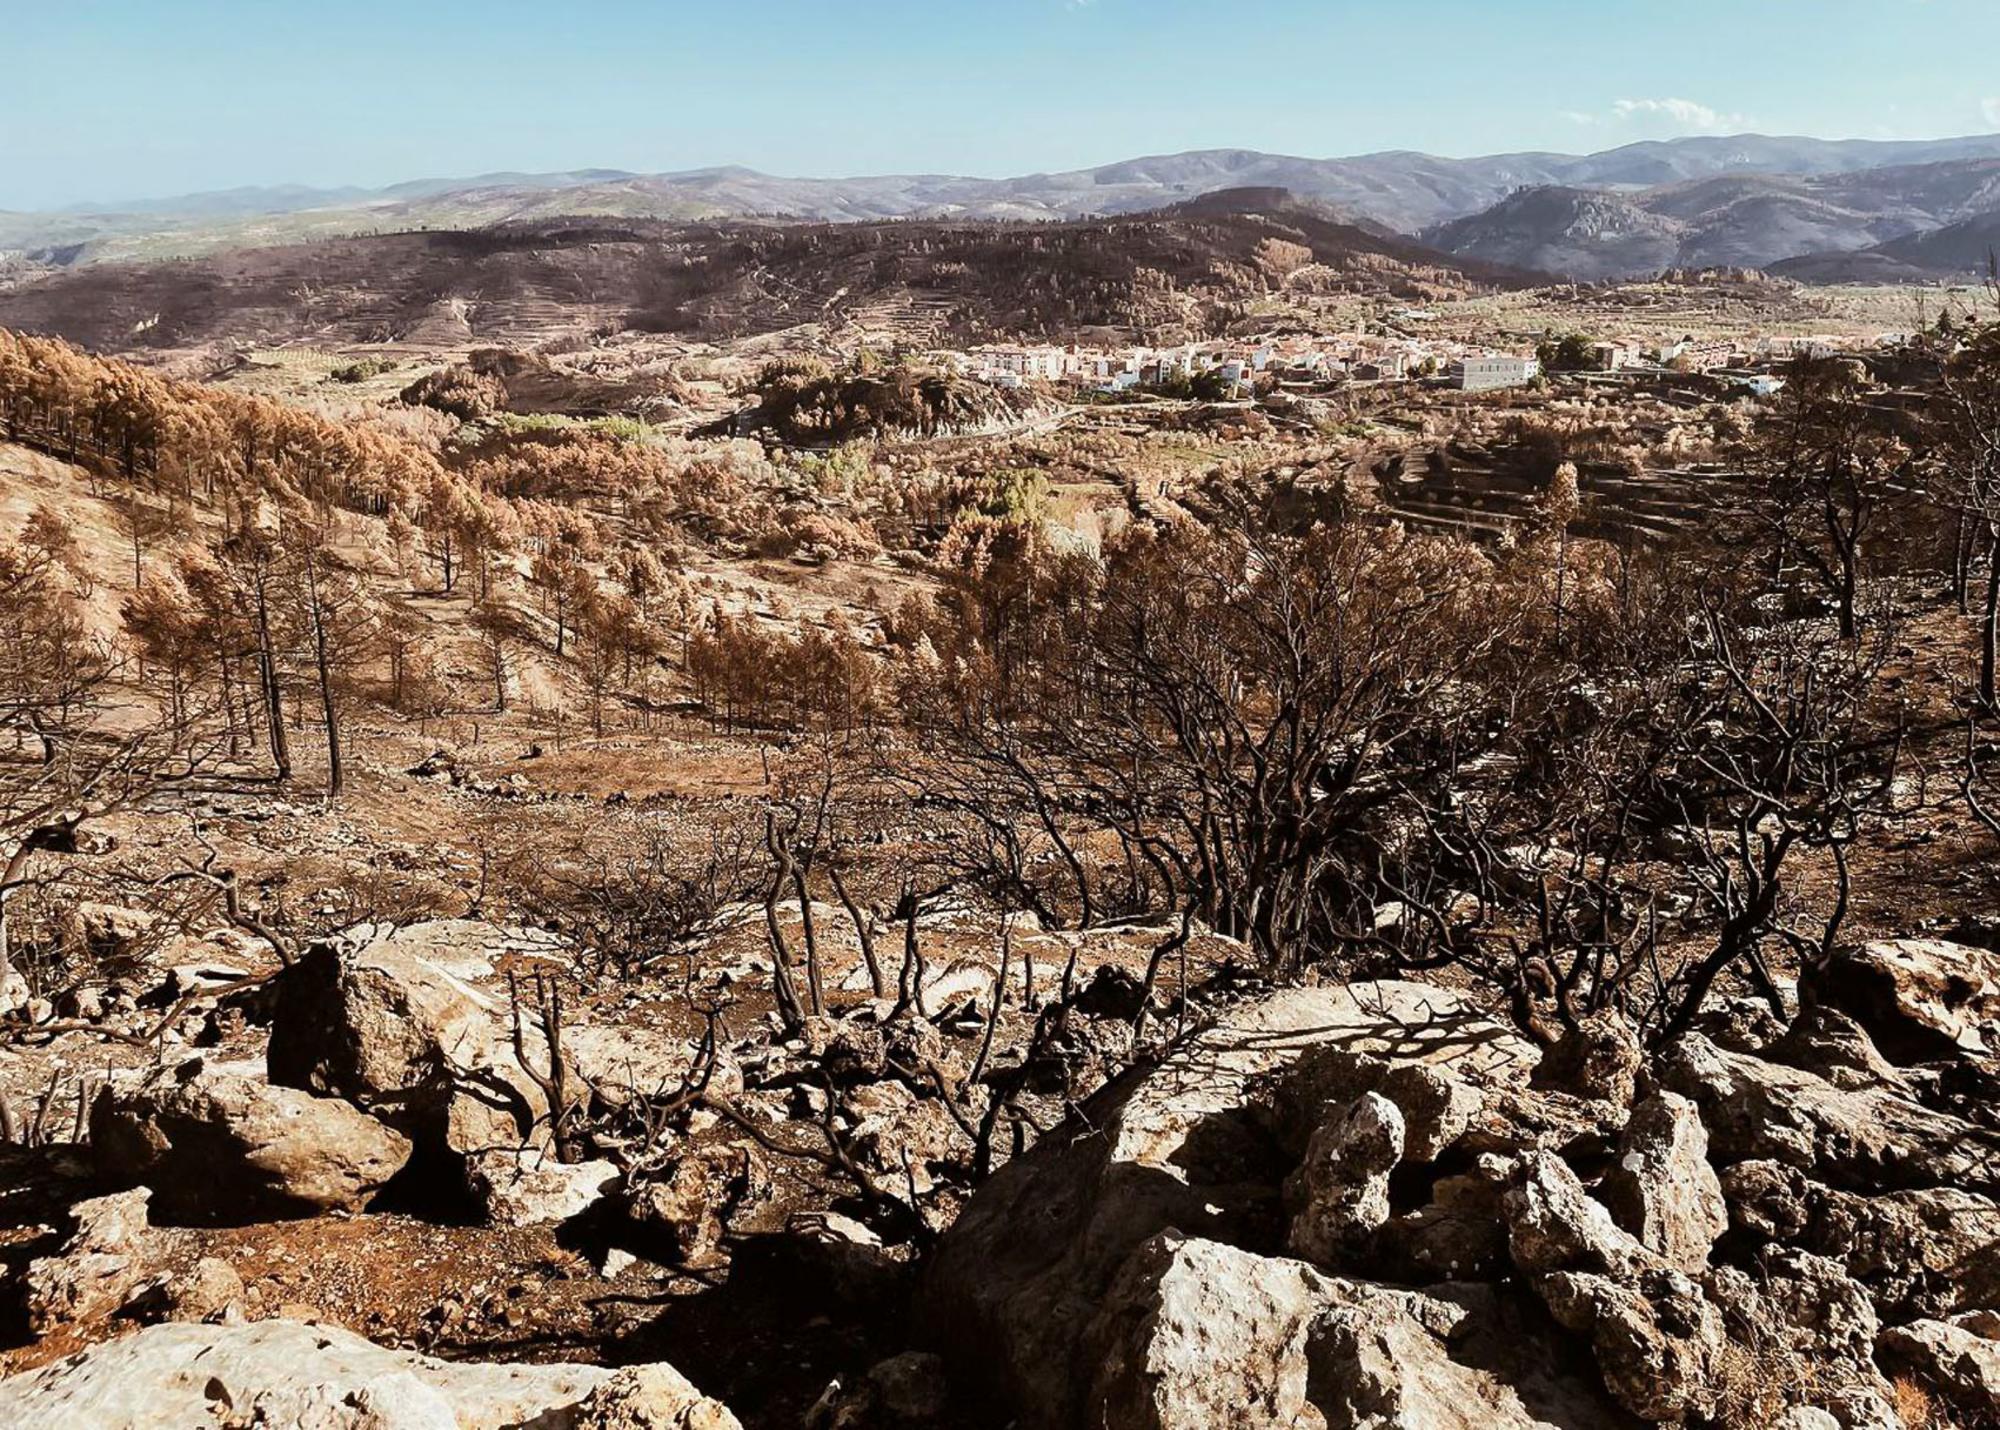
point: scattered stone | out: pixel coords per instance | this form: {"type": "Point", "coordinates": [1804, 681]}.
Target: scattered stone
{"type": "Point", "coordinates": [905, 1392]}
{"type": "Point", "coordinates": [651, 1397]}
{"type": "Point", "coordinates": [14, 993]}
{"type": "Point", "coordinates": [218, 1144]}
{"type": "Point", "coordinates": [415, 1024]}
{"type": "Point", "coordinates": [844, 1259]}
{"type": "Point", "coordinates": [910, 1389]}
{"type": "Point", "coordinates": [855, 1052]}
{"type": "Point", "coordinates": [1832, 1045]}
{"type": "Point", "coordinates": [187, 980]}
{"type": "Point", "coordinates": [530, 1188]}
{"type": "Point", "coordinates": [1458, 1235]}
{"type": "Point", "coordinates": [210, 1291]}
{"type": "Point", "coordinates": [1113, 992]}
{"type": "Point", "coordinates": [111, 1251]}
{"type": "Point", "coordinates": [1437, 1108]}
{"type": "Point", "coordinates": [1810, 1331]}
{"type": "Point", "coordinates": [84, 1005]}
{"type": "Point", "coordinates": [684, 1210]}
{"type": "Point", "coordinates": [1193, 1333]}
{"type": "Point", "coordinates": [112, 930]}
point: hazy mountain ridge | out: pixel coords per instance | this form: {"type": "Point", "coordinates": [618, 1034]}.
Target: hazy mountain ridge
{"type": "Point", "coordinates": [1401, 190]}
{"type": "Point", "coordinates": [1750, 220]}
{"type": "Point", "coordinates": [1959, 249]}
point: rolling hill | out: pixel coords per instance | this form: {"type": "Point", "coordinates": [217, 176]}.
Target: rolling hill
{"type": "Point", "coordinates": [1178, 272]}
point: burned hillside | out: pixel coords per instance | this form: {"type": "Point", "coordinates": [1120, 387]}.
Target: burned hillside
{"type": "Point", "coordinates": [929, 902]}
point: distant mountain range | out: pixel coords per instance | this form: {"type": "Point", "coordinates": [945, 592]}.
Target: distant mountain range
{"type": "Point", "coordinates": [1746, 200]}
{"type": "Point", "coordinates": [1736, 220]}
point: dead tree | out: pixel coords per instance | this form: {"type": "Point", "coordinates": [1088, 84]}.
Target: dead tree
{"type": "Point", "coordinates": [554, 1082]}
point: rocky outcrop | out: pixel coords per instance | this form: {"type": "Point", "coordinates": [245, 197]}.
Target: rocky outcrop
{"type": "Point", "coordinates": [1194, 1334]}
{"type": "Point", "coordinates": [107, 1256]}
{"type": "Point", "coordinates": [1341, 1191]}
{"type": "Point", "coordinates": [1929, 1251]}
{"type": "Point", "coordinates": [1656, 1337]}
{"type": "Point", "coordinates": [1370, 1207]}
{"type": "Point", "coordinates": [217, 1143]}
{"type": "Point", "coordinates": [1192, 1144]}
{"type": "Point", "coordinates": [1918, 998]}
{"type": "Point", "coordinates": [1662, 1188]}
{"type": "Point", "coordinates": [1798, 1324]}
{"type": "Point", "coordinates": [277, 1372]}
{"type": "Point", "coordinates": [1958, 1360]}
{"type": "Point", "coordinates": [1865, 1139]}
{"type": "Point", "coordinates": [394, 1020]}
{"type": "Point", "coordinates": [416, 1025]}
{"type": "Point", "coordinates": [681, 1212]}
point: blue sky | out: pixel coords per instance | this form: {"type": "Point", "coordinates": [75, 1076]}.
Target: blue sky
{"type": "Point", "coordinates": [111, 99]}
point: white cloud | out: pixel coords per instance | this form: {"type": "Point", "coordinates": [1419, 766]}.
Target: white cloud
{"type": "Point", "coordinates": [1679, 116]}
{"type": "Point", "coordinates": [1991, 109]}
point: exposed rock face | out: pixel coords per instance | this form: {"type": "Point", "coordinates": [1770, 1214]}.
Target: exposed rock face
{"type": "Point", "coordinates": [651, 1397]}
{"type": "Point", "coordinates": [1662, 1188]}
{"type": "Point", "coordinates": [320, 1378]}
{"type": "Point", "coordinates": [1553, 1224]}
{"type": "Point", "coordinates": [1828, 1043]}
{"type": "Point", "coordinates": [1341, 1191]}
{"type": "Point", "coordinates": [1918, 998]}
{"type": "Point", "coordinates": [1870, 1140]}
{"type": "Point", "coordinates": [110, 1253]}
{"type": "Point", "coordinates": [1959, 1360]}
{"type": "Point", "coordinates": [1925, 1252]}
{"type": "Point", "coordinates": [1598, 1058]}
{"type": "Point", "coordinates": [1657, 1338]}
{"type": "Point", "coordinates": [531, 1188]}
{"type": "Point", "coordinates": [1182, 1145]}
{"type": "Point", "coordinates": [1801, 1322]}
{"type": "Point", "coordinates": [217, 1142]}
{"type": "Point", "coordinates": [1194, 1334]}
{"type": "Point", "coordinates": [392, 1019]}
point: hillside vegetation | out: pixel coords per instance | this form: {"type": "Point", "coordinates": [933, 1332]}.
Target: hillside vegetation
{"type": "Point", "coordinates": [1453, 908]}
{"type": "Point", "coordinates": [1160, 278]}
